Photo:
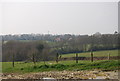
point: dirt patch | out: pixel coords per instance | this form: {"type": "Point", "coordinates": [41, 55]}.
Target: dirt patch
{"type": "Point", "coordinates": [96, 74]}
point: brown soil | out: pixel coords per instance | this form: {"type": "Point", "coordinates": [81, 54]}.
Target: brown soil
{"type": "Point", "coordinates": [96, 74]}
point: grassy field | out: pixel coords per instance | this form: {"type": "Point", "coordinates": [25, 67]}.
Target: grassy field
{"type": "Point", "coordinates": [96, 54]}
{"type": "Point", "coordinates": [21, 67]}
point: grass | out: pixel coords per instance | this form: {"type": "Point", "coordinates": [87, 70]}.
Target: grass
{"type": "Point", "coordinates": [96, 54]}
{"type": "Point", "coordinates": [21, 67]}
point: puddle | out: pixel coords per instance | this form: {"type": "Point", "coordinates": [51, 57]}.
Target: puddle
{"type": "Point", "coordinates": [100, 77]}
{"type": "Point", "coordinates": [49, 79]}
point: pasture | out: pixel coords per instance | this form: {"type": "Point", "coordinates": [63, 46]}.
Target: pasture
{"type": "Point", "coordinates": [23, 67]}
{"type": "Point", "coordinates": [96, 54]}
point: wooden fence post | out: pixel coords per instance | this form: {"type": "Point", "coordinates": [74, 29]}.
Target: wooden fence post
{"type": "Point", "coordinates": [13, 61]}
{"type": "Point", "coordinates": [57, 56]}
{"type": "Point", "coordinates": [91, 56]}
{"type": "Point", "coordinates": [76, 57]}
{"type": "Point", "coordinates": [33, 58]}
{"type": "Point", "coordinates": [108, 56]}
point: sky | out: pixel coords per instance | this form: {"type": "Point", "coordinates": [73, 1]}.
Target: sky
{"type": "Point", "coordinates": [58, 17]}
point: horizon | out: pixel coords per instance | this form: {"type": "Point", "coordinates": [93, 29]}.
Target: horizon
{"type": "Point", "coordinates": [56, 34]}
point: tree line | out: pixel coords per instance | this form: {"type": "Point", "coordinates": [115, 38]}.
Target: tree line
{"type": "Point", "coordinates": [45, 50]}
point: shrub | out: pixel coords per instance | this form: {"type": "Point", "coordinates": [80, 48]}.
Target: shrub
{"type": "Point", "coordinates": [44, 66]}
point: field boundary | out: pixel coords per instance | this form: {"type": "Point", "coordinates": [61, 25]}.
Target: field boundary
{"type": "Point", "coordinates": [88, 58]}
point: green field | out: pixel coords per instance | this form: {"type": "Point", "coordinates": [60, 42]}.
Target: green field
{"type": "Point", "coordinates": [96, 54]}
{"type": "Point", "coordinates": [22, 67]}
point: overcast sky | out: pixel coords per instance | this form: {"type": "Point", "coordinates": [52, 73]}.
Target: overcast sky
{"type": "Point", "coordinates": [59, 17]}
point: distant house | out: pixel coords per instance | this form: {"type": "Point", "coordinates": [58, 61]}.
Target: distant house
{"type": "Point", "coordinates": [58, 39]}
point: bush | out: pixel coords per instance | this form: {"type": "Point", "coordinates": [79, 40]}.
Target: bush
{"type": "Point", "coordinates": [59, 65]}
{"type": "Point", "coordinates": [35, 67]}
{"type": "Point", "coordinates": [44, 66]}
{"type": "Point", "coordinates": [21, 69]}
